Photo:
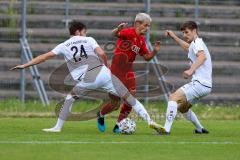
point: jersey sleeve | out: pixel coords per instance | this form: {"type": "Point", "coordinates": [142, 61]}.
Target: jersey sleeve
{"type": "Point", "coordinates": [59, 49]}
{"type": "Point", "coordinates": [93, 43]}
{"type": "Point", "coordinates": [144, 50]}
{"type": "Point", "coordinates": [197, 46]}
{"type": "Point", "coordinates": [123, 33]}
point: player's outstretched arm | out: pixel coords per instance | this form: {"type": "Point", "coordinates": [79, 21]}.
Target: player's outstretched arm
{"type": "Point", "coordinates": [115, 32]}
{"type": "Point", "coordinates": [156, 49]}
{"type": "Point", "coordinates": [39, 59]}
{"type": "Point", "coordinates": [201, 57]}
{"type": "Point", "coordinates": [102, 55]}
{"type": "Point", "coordinates": [179, 41]}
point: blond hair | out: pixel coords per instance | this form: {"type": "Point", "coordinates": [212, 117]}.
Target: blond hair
{"type": "Point", "coordinates": [141, 17]}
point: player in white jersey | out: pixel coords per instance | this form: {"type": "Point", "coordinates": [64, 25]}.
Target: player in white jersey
{"type": "Point", "coordinates": [82, 54]}
{"type": "Point", "coordinates": [201, 72]}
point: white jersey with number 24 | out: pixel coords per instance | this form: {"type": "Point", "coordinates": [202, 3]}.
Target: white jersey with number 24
{"type": "Point", "coordinates": [76, 50]}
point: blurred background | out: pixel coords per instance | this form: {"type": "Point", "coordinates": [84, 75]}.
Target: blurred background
{"type": "Point", "coordinates": [47, 22]}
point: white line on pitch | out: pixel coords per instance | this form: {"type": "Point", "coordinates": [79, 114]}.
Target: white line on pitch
{"type": "Point", "coordinates": [116, 142]}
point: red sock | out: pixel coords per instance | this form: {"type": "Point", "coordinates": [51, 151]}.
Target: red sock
{"type": "Point", "coordinates": [107, 108]}
{"type": "Point", "coordinates": [111, 105]}
{"type": "Point", "coordinates": [125, 110]}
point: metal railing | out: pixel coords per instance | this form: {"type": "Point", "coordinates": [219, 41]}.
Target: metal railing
{"type": "Point", "coordinates": [26, 56]}
{"type": "Point", "coordinates": [154, 62]}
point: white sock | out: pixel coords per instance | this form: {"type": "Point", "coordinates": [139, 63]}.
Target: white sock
{"type": "Point", "coordinates": [170, 115]}
{"type": "Point", "coordinates": [191, 116]}
{"type": "Point", "coordinates": [59, 124]}
{"type": "Point", "coordinates": [66, 108]}
{"type": "Point", "coordinates": [141, 111]}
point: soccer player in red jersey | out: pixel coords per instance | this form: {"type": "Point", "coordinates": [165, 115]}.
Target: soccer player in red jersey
{"type": "Point", "coordinates": [130, 43]}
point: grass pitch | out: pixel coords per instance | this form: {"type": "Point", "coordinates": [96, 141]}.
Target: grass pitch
{"type": "Point", "coordinates": [22, 139]}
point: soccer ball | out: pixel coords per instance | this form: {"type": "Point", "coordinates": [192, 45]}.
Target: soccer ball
{"type": "Point", "coordinates": [127, 126]}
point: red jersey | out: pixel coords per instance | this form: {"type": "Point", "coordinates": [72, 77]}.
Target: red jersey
{"type": "Point", "coordinates": [128, 45]}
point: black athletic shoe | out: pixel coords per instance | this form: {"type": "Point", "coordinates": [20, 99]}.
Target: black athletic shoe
{"type": "Point", "coordinates": [203, 131]}
{"type": "Point", "coordinates": [101, 123]}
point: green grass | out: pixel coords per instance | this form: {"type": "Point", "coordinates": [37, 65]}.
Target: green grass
{"type": "Point", "coordinates": [14, 108]}
{"type": "Point", "coordinates": [22, 139]}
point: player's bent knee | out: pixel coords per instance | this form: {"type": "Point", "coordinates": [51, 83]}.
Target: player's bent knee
{"type": "Point", "coordinates": [183, 107]}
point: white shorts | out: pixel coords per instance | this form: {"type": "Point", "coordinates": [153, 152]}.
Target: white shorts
{"type": "Point", "coordinates": [194, 91]}
{"type": "Point", "coordinates": [103, 81]}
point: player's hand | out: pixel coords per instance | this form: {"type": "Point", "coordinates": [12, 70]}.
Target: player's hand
{"type": "Point", "coordinates": [17, 67]}
{"type": "Point", "coordinates": [169, 33]}
{"type": "Point", "coordinates": [157, 46]}
{"type": "Point", "coordinates": [187, 74]}
{"type": "Point", "coordinates": [122, 26]}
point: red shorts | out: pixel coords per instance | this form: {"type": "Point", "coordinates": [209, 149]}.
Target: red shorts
{"type": "Point", "coordinates": [128, 80]}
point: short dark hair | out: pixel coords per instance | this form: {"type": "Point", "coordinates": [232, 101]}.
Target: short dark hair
{"type": "Point", "coordinates": [76, 25]}
{"type": "Point", "coordinates": [189, 25]}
